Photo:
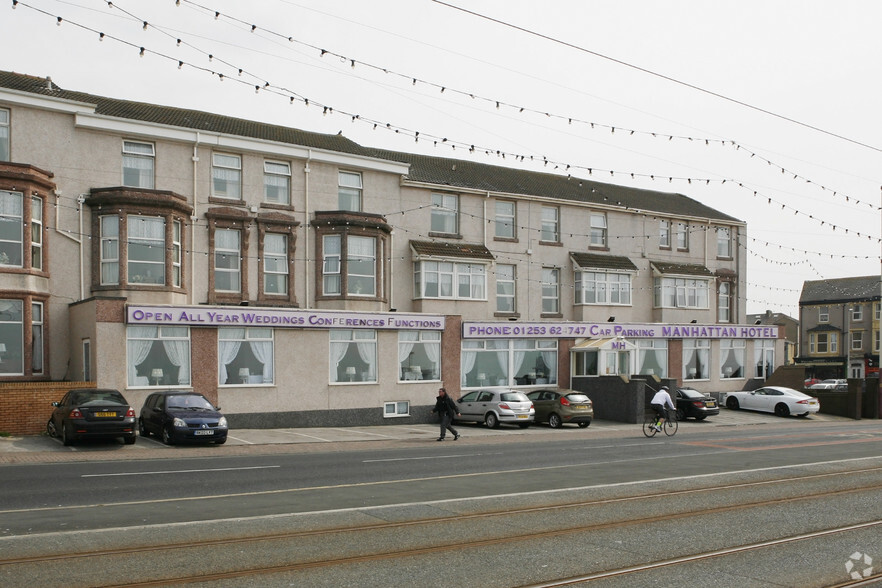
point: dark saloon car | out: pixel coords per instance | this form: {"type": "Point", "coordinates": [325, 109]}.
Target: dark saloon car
{"type": "Point", "coordinates": [178, 416]}
{"type": "Point", "coordinates": [557, 407]}
{"type": "Point", "coordinates": [692, 403]}
{"type": "Point", "coordinates": [92, 413]}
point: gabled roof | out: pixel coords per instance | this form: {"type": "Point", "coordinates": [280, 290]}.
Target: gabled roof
{"type": "Point", "coordinates": [681, 269]}
{"type": "Point", "coordinates": [440, 171]}
{"type": "Point", "coordinates": [841, 290]}
{"type": "Point", "coordinates": [596, 260]}
{"type": "Point", "coordinates": [446, 249]}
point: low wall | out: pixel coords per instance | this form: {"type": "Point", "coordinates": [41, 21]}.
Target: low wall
{"type": "Point", "coordinates": [28, 405]}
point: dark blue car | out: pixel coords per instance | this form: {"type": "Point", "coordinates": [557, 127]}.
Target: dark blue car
{"type": "Point", "coordinates": [179, 416]}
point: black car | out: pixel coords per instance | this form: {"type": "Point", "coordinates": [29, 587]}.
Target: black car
{"type": "Point", "coordinates": [179, 416]}
{"type": "Point", "coordinates": [692, 403]}
{"type": "Point", "coordinates": [92, 412]}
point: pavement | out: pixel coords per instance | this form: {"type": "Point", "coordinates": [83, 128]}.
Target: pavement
{"type": "Point", "coordinates": [44, 449]}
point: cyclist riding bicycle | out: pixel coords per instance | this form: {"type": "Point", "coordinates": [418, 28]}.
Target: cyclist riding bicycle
{"type": "Point", "coordinates": [658, 403]}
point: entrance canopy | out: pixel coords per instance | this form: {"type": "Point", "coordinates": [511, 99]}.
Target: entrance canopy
{"type": "Point", "coordinates": [605, 344]}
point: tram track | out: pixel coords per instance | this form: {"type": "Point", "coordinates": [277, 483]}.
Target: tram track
{"type": "Point", "coordinates": [424, 527]}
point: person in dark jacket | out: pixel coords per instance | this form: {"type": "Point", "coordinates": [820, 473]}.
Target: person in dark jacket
{"type": "Point", "coordinates": [446, 408]}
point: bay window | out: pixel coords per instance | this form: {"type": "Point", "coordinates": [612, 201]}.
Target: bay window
{"type": "Point", "coordinates": [11, 228]}
{"type": "Point", "coordinates": [508, 362]}
{"type": "Point", "coordinates": [681, 293]}
{"type": "Point", "coordinates": [146, 250]}
{"type": "Point", "coordinates": [595, 287]}
{"type": "Point", "coordinates": [452, 280]}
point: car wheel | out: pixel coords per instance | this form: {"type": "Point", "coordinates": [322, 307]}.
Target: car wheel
{"type": "Point", "coordinates": [142, 430]}
{"type": "Point", "coordinates": [732, 403]}
{"type": "Point", "coordinates": [491, 420]}
{"type": "Point", "coordinates": [167, 436]}
{"type": "Point", "coordinates": [681, 414]}
{"type": "Point", "coordinates": [66, 435]}
{"type": "Point", "coordinates": [50, 429]}
{"type": "Point", "coordinates": [782, 410]}
{"type": "Point", "coordinates": [700, 417]}
{"type": "Point", "coordinates": [554, 421]}
{"type": "Point", "coordinates": [583, 425]}
{"type": "Point", "coordinates": [130, 439]}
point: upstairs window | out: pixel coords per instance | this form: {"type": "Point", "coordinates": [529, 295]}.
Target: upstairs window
{"type": "Point", "coordinates": [332, 283]}
{"type": "Point", "coordinates": [550, 290]}
{"type": "Point", "coordinates": [824, 314]}
{"type": "Point", "coordinates": [276, 182]}
{"type": "Point", "coordinates": [109, 226]}
{"type": "Point", "coordinates": [724, 242]}
{"type": "Point", "coordinates": [598, 230]}
{"type": "Point", "coordinates": [226, 176]}
{"type": "Point", "coordinates": [664, 234]}
{"type": "Point", "coordinates": [445, 214]}
{"type": "Point", "coordinates": [550, 224]}
{"type": "Point", "coordinates": [361, 266]}
{"type": "Point", "coordinates": [505, 219]}
{"type": "Point", "coordinates": [11, 228]}
{"type": "Point", "coordinates": [603, 288]}
{"type": "Point", "coordinates": [681, 293]}
{"type": "Point", "coordinates": [724, 302]}
{"type": "Point", "coordinates": [349, 191]}
{"type": "Point", "coordinates": [682, 236]}
{"type": "Point", "coordinates": [275, 264]}
{"type": "Point", "coordinates": [857, 313]}
{"type": "Point", "coordinates": [146, 250]}
{"type": "Point", "coordinates": [447, 279]}
{"type": "Point", "coordinates": [177, 232]}
{"type": "Point", "coordinates": [138, 165]}
{"type": "Point", "coordinates": [227, 260]}
{"type": "Point", "coordinates": [505, 288]}
{"type": "Point", "coordinates": [36, 233]}
{"type": "Point", "coordinates": [4, 134]}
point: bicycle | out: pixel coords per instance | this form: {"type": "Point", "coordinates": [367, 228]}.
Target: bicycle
{"type": "Point", "coordinates": [669, 426]}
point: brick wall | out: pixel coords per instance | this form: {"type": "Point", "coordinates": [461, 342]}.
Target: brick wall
{"type": "Point", "coordinates": [28, 405]}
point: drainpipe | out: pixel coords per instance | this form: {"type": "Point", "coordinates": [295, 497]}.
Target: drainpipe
{"type": "Point", "coordinates": [194, 217]}
{"type": "Point", "coordinates": [391, 272]}
{"type": "Point", "coordinates": [306, 280]}
{"type": "Point", "coordinates": [485, 223]}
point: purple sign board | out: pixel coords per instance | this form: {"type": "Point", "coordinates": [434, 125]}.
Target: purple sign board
{"type": "Point", "coordinates": [572, 330]}
{"type": "Point", "coordinates": [243, 316]}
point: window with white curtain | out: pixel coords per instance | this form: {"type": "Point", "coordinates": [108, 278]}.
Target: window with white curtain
{"type": "Point", "coordinates": [138, 164]}
{"type": "Point", "coordinates": [361, 266]}
{"type": "Point", "coordinates": [602, 288]}
{"type": "Point", "coordinates": [447, 279]}
{"type": "Point", "coordinates": [226, 176]}
{"type": "Point", "coordinates": [724, 242]}
{"type": "Point", "coordinates": [598, 235]}
{"type": "Point", "coordinates": [332, 282]}
{"type": "Point", "coordinates": [419, 355]}
{"type": "Point", "coordinates": [245, 356]}
{"type": "Point", "coordinates": [353, 356]}
{"type": "Point", "coordinates": [275, 264]}
{"type": "Point", "coordinates": [11, 228]}
{"type": "Point", "coordinates": [696, 355]}
{"type": "Point", "coordinates": [445, 213]}
{"type": "Point", "coordinates": [157, 356]}
{"type": "Point", "coordinates": [227, 261]}
{"type": "Point", "coordinates": [276, 182]}
{"type": "Point", "coordinates": [146, 250]}
{"type": "Point", "coordinates": [349, 191]}
{"type": "Point", "coordinates": [763, 358]}
{"type": "Point", "coordinates": [681, 293]}
{"type": "Point", "coordinates": [652, 357]}
{"type": "Point", "coordinates": [12, 337]}
{"type": "Point", "coordinates": [109, 249]}
{"type": "Point", "coordinates": [4, 134]}
{"type": "Point", "coordinates": [508, 362]}
{"type": "Point", "coordinates": [731, 358]}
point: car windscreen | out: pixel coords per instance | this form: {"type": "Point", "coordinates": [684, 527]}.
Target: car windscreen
{"type": "Point", "coordinates": [514, 397]}
{"type": "Point", "coordinates": [188, 401]}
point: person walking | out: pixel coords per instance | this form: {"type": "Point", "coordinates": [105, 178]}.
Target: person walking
{"type": "Point", "coordinates": [446, 409]}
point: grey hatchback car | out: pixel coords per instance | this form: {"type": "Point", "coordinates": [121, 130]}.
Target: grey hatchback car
{"type": "Point", "coordinates": [493, 407]}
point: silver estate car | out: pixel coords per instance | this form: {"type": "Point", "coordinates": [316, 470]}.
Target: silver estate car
{"type": "Point", "coordinates": [493, 407]}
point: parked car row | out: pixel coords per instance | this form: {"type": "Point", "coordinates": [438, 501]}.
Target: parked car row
{"type": "Point", "coordinates": [174, 416]}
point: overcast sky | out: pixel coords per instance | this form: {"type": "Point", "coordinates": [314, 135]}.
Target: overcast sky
{"type": "Point", "coordinates": [778, 98]}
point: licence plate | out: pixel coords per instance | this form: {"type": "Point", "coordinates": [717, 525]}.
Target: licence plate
{"type": "Point", "coordinates": [203, 432]}
{"type": "Point", "coordinates": [578, 406]}
{"type": "Point", "coordinates": [523, 416]}
{"type": "Point", "coordinates": [812, 403]}
{"type": "Point", "coordinates": [105, 414]}
{"type": "Point", "coordinates": [711, 404]}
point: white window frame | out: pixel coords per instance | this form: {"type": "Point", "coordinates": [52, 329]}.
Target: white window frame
{"type": "Point", "coordinates": [724, 242]}
{"type": "Point", "coordinates": [671, 292]}
{"type": "Point", "coordinates": [599, 230]}
{"type": "Point", "coordinates": [359, 345]}
{"type": "Point", "coordinates": [857, 340]}
{"type": "Point", "coordinates": [505, 211]}
{"type": "Point", "coordinates": [724, 301]}
{"type": "Point", "coordinates": [550, 223]}
{"type": "Point", "coordinates": [12, 335]}
{"type": "Point", "coordinates": [732, 349]}
{"type": "Point", "coordinates": [419, 356]}
{"type": "Point", "coordinates": [350, 191]}
{"type": "Point", "coordinates": [658, 349]}
{"type": "Point", "coordinates": [177, 252]}
{"type": "Point", "coordinates": [36, 233]}
{"type": "Point", "coordinates": [451, 277]}
{"type": "Point", "coordinates": [395, 409]}
{"type": "Point", "coordinates": [12, 212]}
{"type": "Point", "coordinates": [226, 176]}
{"type": "Point", "coordinates": [823, 314]}
{"type": "Point", "coordinates": [445, 214]}
{"type": "Point", "coordinates": [174, 338]}
{"type": "Point", "coordinates": [506, 288]}
{"type": "Point", "coordinates": [664, 234]}
{"type": "Point", "coordinates": [361, 284]}
{"type": "Point", "coordinates": [550, 290]}
{"type": "Point", "coordinates": [234, 269]}
{"type": "Point", "coordinates": [332, 266]}
{"type": "Point", "coordinates": [275, 264]}
{"type": "Point", "coordinates": [231, 344]}
{"type": "Point", "coordinates": [138, 164]}
{"type": "Point", "coordinates": [495, 358]}
{"type": "Point", "coordinates": [5, 154]}
{"type": "Point", "coordinates": [277, 182]}
{"type": "Point", "coordinates": [682, 236]}
{"type": "Point", "coordinates": [109, 262]}
{"type": "Point", "coordinates": [87, 360]}
{"type": "Point", "coordinates": [145, 264]}
{"type": "Point", "coordinates": [609, 290]}
{"type": "Point", "coordinates": [38, 359]}
{"type": "Point", "coordinates": [701, 347]}
{"type": "Point", "coordinates": [857, 313]}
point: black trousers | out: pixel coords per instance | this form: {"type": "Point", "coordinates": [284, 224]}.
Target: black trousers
{"type": "Point", "coordinates": [446, 426]}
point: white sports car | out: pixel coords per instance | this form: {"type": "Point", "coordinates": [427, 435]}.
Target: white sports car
{"type": "Point", "coordinates": [778, 399]}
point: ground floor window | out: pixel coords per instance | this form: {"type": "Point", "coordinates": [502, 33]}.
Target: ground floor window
{"type": "Point", "coordinates": [585, 363]}
{"type": "Point", "coordinates": [353, 355]}
{"type": "Point", "coordinates": [396, 409]}
{"type": "Point", "coordinates": [504, 362]}
{"type": "Point", "coordinates": [652, 357]}
{"type": "Point", "coordinates": [764, 358]}
{"type": "Point", "coordinates": [696, 354]}
{"type": "Point", "coordinates": [419, 355]}
{"type": "Point", "coordinates": [732, 358]}
{"type": "Point", "coordinates": [11, 337]}
{"type": "Point", "coordinates": [158, 356]}
{"type": "Point", "coordinates": [245, 355]}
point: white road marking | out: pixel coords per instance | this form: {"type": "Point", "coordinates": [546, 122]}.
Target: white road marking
{"type": "Point", "coordinates": [178, 471]}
